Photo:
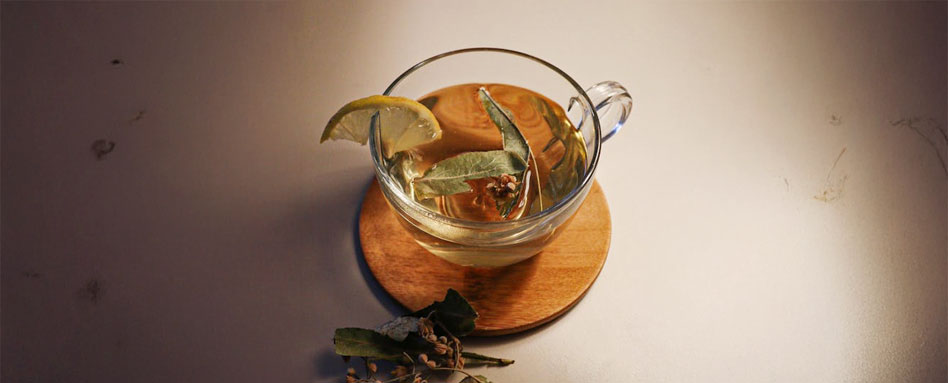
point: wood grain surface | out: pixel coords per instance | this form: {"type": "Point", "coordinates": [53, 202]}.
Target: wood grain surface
{"type": "Point", "coordinates": [509, 299]}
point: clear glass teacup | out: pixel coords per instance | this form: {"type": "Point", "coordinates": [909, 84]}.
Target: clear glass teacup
{"type": "Point", "coordinates": [602, 107]}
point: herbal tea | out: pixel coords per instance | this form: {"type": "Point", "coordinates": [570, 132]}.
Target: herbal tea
{"type": "Point", "coordinates": [504, 153]}
{"type": "Point", "coordinates": [482, 174]}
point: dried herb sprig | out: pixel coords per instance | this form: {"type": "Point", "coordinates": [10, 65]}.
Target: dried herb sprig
{"type": "Point", "coordinates": [449, 175]}
{"type": "Point", "coordinates": [420, 344]}
{"type": "Point", "coordinates": [514, 142]}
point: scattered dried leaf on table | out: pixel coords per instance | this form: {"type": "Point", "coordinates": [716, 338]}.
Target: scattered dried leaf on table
{"type": "Point", "coordinates": [454, 313]}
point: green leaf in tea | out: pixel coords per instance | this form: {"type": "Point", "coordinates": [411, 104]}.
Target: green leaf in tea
{"type": "Point", "coordinates": [513, 142]}
{"type": "Point", "coordinates": [566, 174]}
{"type": "Point", "coordinates": [513, 139]}
{"type": "Point", "coordinates": [475, 379]}
{"type": "Point", "coordinates": [561, 130]}
{"type": "Point", "coordinates": [447, 176]}
{"type": "Point", "coordinates": [454, 313]}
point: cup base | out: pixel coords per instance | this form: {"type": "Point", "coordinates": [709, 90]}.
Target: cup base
{"type": "Point", "coordinates": [480, 257]}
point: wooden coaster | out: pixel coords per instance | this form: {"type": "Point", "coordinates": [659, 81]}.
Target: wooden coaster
{"type": "Point", "coordinates": [509, 299]}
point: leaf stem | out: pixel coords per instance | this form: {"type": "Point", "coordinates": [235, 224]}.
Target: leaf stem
{"type": "Point", "coordinates": [458, 370]}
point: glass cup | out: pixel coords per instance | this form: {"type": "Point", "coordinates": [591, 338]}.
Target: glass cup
{"type": "Point", "coordinates": [475, 243]}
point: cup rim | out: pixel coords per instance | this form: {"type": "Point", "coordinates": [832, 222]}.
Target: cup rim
{"type": "Point", "coordinates": [575, 193]}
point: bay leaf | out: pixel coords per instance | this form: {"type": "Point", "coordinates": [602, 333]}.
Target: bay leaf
{"type": "Point", "coordinates": [475, 359]}
{"type": "Point", "coordinates": [566, 174]}
{"type": "Point", "coordinates": [475, 379]}
{"type": "Point", "coordinates": [447, 176]}
{"type": "Point", "coordinates": [560, 130]}
{"type": "Point", "coordinates": [454, 313]}
{"type": "Point", "coordinates": [513, 139]}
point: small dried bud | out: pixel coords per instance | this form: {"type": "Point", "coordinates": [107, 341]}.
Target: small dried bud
{"type": "Point", "coordinates": [443, 339]}
{"type": "Point", "coordinates": [350, 379]}
{"type": "Point", "coordinates": [431, 364]}
{"type": "Point", "coordinates": [423, 358]}
{"type": "Point", "coordinates": [425, 327]}
{"type": "Point", "coordinates": [441, 348]}
{"type": "Point", "coordinates": [503, 186]}
{"type": "Point", "coordinates": [372, 367]}
{"type": "Point", "coordinates": [351, 371]}
{"type": "Point", "coordinates": [431, 338]}
{"type": "Point", "coordinates": [417, 379]}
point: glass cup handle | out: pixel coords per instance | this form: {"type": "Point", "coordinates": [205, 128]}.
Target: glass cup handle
{"type": "Point", "coordinates": [613, 105]}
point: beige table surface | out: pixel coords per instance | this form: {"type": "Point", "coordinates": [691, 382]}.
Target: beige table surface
{"type": "Point", "coordinates": [778, 199]}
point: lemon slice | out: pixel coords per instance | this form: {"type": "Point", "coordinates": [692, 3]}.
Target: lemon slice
{"type": "Point", "coordinates": [404, 123]}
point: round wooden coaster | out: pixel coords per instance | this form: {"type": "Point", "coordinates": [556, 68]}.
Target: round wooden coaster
{"type": "Point", "coordinates": [509, 299]}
